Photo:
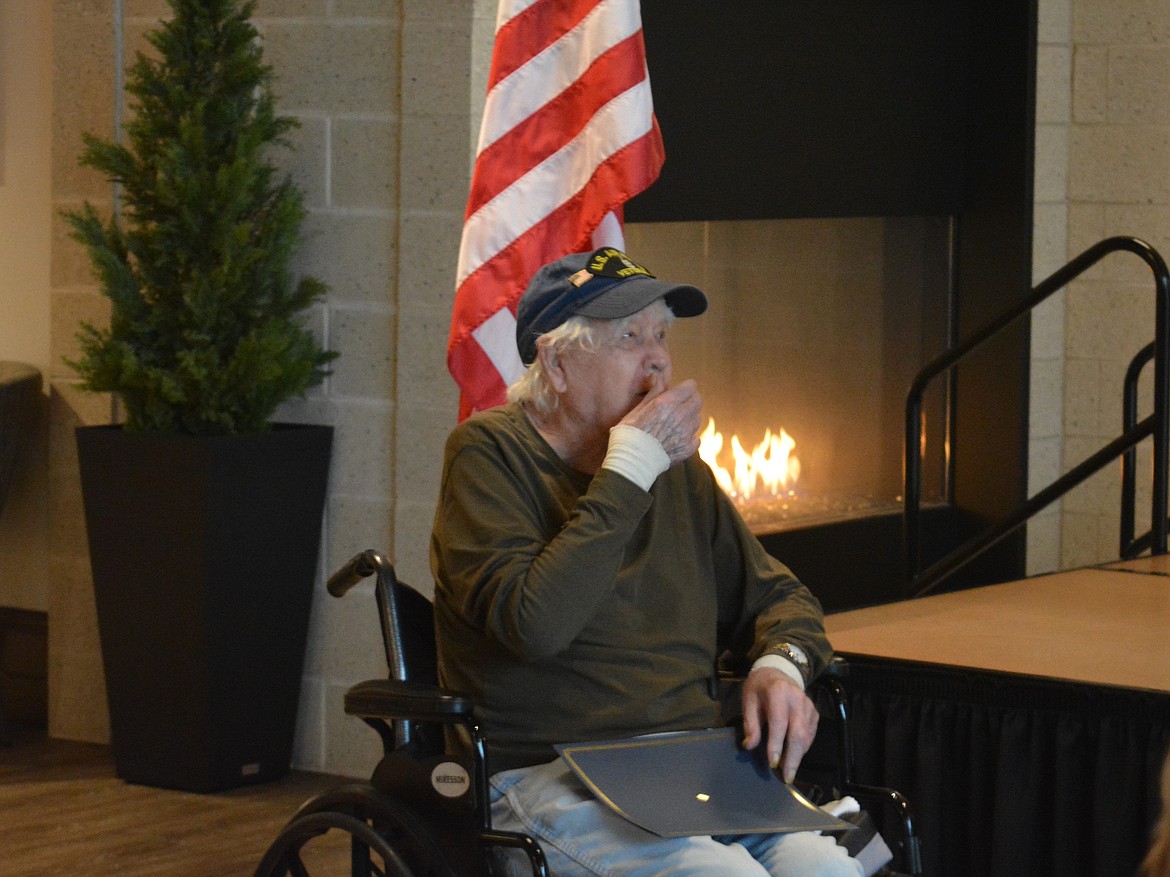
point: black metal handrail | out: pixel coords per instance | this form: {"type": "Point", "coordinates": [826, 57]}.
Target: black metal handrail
{"type": "Point", "coordinates": [1129, 546]}
{"type": "Point", "coordinates": [1156, 425]}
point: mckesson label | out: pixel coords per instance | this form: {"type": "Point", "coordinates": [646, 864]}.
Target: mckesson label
{"type": "Point", "coordinates": [450, 779]}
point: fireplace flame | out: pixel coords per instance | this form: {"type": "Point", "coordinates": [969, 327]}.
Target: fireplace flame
{"type": "Point", "coordinates": [771, 465]}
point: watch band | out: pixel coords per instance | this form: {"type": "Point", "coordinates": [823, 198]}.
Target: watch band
{"type": "Point", "coordinates": [793, 653]}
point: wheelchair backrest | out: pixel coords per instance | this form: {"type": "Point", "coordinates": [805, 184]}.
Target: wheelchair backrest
{"type": "Point", "coordinates": [415, 632]}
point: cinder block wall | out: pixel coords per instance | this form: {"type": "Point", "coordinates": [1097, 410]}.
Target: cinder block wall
{"type": "Point", "coordinates": [382, 92]}
{"type": "Point", "coordinates": [1118, 183]}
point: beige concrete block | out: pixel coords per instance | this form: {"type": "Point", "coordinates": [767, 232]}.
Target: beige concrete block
{"type": "Point", "coordinates": [412, 537]}
{"type": "Point", "coordinates": [1119, 164]}
{"type": "Point", "coordinates": [1082, 397]}
{"type": "Point", "coordinates": [1108, 22]}
{"type": "Point", "coordinates": [1043, 544]}
{"type": "Point", "coordinates": [355, 524]}
{"type": "Point", "coordinates": [1139, 80]}
{"type": "Point", "coordinates": [366, 8]}
{"type": "Point", "coordinates": [1078, 540]}
{"type": "Point", "coordinates": [70, 264]}
{"type": "Point", "coordinates": [1051, 171]}
{"type": "Point", "coordinates": [1101, 320]}
{"type": "Point", "coordinates": [1090, 84]}
{"type": "Point", "coordinates": [77, 687]}
{"type": "Point", "coordinates": [1053, 85]}
{"type": "Point", "coordinates": [305, 161]}
{"type": "Point", "coordinates": [136, 41]}
{"type": "Point", "coordinates": [340, 67]}
{"type": "Point", "coordinates": [1044, 457]}
{"type": "Point", "coordinates": [483, 38]}
{"type": "Point", "coordinates": [1148, 222]}
{"type": "Point", "coordinates": [1109, 535]}
{"type": "Point", "coordinates": [315, 318]}
{"type": "Point", "coordinates": [318, 409]}
{"type": "Point", "coordinates": [1046, 407]}
{"type": "Point", "coordinates": [346, 636]}
{"type": "Point", "coordinates": [1086, 226]}
{"type": "Point", "coordinates": [1109, 399]}
{"type": "Point", "coordinates": [70, 310]}
{"type": "Point", "coordinates": [422, 355]}
{"type": "Point", "coordinates": [364, 157]}
{"type": "Point", "coordinates": [1101, 491]}
{"type": "Point", "coordinates": [152, 11]}
{"type": "Point", "coordinates": [363, 456]}
{"type": "Point", "coordinates": [268, 9]}
{"type": "Point", "coordinates": [436, 64]}
{"type": "Point", "coordinates": [1131, 318]}
{"type": "Point", "coordinates": [67, 531]}
{"type": "Point", "coordinates": [429, 245]}
{"type": "Point", "coordinates": [353, 253]}
{"type": "Point", "coordinates": [434, 174]}
{"type": "Point", "coordinates": [365, 368]}
{"type": "Point", "coordinates": [1049, 239]}
{"type": "Point", "coordinates": [421, 438]}
{"type": "Point", "coordinates": [352, 748]}
{"type": "Point", "coordinates": [1048, 328]}
{"type": "Point", "coordinates": [69, 408]}
{"type": "Point", "coordinates": [1054, 22]}
{"type": "Point", "coordinates": [83, 93]}
{"type": "Point", "coordinates": [439, 10]}
{"type": "Point", "coordinates": [309, 742]}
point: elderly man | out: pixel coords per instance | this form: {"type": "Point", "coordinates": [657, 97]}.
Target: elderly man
{"type": "Point", "coordinates": [589, 572]}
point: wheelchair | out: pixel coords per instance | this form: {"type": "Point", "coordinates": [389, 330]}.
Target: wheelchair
{"type": "Point", "coordinates": [425, 810]}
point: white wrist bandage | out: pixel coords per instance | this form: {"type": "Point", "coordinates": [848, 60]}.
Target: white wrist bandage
{"type": "Point", "coordinates": [782, 664]}
{"type": "Point", "coordinates": [635, 454]}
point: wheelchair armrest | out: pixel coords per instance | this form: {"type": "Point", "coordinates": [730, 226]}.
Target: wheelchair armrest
{"type": "Point", "coordinates": [837, 668]}
{"type": "Point", "coordinates": [412, 701]}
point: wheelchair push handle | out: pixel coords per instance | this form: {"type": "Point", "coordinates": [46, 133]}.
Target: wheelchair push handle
{"type": "Point", "coordinates": [359, 567]}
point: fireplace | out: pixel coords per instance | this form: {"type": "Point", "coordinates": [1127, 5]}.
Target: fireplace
{"type": "Point", "coordinates": [851, 185]}
{"type": "Point", "coordinates": [815, 330]}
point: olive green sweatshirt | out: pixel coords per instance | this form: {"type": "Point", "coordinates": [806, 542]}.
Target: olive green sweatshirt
{"type": "Point", "coordinates": [574, 607]}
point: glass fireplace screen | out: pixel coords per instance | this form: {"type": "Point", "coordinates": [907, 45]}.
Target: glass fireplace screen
{"type": "Point", "coordinates": [815, 330]}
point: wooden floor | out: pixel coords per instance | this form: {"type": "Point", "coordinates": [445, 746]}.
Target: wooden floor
{"type": "Point", "coordinates": [62, 811]}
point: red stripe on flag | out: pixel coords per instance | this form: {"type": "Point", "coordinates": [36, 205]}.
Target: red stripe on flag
{"type": "Point", "coordinates": [526, 35]}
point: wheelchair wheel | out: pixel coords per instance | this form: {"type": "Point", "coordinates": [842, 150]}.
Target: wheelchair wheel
{"type": "Point", "coordinates": [309, 847]}
{"type": "Point", "coordinates": [354, 831]}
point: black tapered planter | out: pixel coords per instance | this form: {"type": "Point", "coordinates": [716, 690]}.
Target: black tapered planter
{"type": "Point", "coordinates": [204, 554]}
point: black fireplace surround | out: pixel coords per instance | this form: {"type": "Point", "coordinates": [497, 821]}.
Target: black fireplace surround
{"type": "Point", "coordinates": [783, 109]}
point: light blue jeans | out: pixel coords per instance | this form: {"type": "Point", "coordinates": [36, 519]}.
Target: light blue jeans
{"type": "Point", "coordinates": [582, 836]}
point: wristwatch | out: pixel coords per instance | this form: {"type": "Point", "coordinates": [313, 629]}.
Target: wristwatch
{"type": "Point", "coordinates": [795, 654]}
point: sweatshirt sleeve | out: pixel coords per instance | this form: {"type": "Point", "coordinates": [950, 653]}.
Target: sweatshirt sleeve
{"type": "Point", "coordinates": [517, 553]}
{"type": "Point", "coordinates": [763, 605]}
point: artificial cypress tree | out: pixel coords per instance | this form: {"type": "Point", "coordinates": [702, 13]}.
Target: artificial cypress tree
{"type": "Point", "coordinates": [205, 335]}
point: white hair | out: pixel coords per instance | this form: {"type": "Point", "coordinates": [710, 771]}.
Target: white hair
{"type": "Point", "coordinates": [533, 388]}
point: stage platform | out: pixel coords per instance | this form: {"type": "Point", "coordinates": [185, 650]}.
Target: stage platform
{"type": "Point", "coordinates": [1026, 721]}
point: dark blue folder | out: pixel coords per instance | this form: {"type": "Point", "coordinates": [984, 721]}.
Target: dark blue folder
{"type": "Point", "coordinates": [693, 782]}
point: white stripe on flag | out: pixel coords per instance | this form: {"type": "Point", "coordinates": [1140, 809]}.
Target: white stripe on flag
{"type": "Point", "coordinates": [609, 233]}
{"type": "Point", "coordinates": [497, 337]}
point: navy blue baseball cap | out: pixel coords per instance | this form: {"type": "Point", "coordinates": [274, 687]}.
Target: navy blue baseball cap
{"type": "Point", "coordinates": [606, 284]}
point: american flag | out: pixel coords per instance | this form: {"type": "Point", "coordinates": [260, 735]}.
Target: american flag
{"type": "Point", "coordinates": [568, 136]}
